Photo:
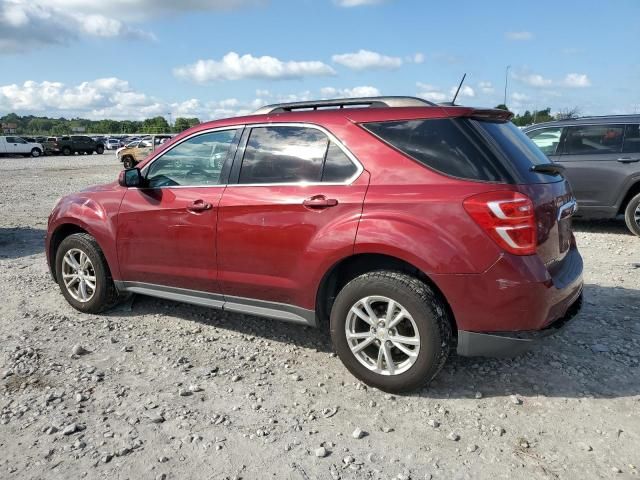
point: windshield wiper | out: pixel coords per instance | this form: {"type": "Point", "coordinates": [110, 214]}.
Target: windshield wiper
{"type": "Point", "coordinates": [549, 168]}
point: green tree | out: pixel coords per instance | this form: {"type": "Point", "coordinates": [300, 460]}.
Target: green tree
{"type": "Point", "coordinates": [155, 125]}
{"type": "Point", "coordinates": [183, 123]}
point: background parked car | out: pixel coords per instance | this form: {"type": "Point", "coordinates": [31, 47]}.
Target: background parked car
{"type": "Point", "coordinates": [19, 146]}
{"type": "Point", "coordinates": [601, 156]}
{"type": "Point", "coordinates": [111, 144]}
{"type": "Point", "coordinates": [78, 144]}
{"type": "Point", "coordinates": [137, 150]}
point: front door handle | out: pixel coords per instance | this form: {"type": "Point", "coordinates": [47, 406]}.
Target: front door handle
{"type": "Point", "coordinates": [628, 160]}
{"type": "Point", "coordinates": [320, 202]}
{"type": "Point", "coordinates": [199, 206]}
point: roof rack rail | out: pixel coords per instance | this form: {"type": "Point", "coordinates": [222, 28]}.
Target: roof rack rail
{"type": "Point", "coordinates": [372, 102]}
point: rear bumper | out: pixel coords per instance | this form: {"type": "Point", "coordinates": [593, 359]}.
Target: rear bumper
{"type": "Point", "coordinates": [509, 344]}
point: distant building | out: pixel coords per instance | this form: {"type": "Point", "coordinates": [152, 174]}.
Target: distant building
{"type": "Point", "coordinates": [78, 129]}
{"type": "Point", "coordinates": [9, 127]}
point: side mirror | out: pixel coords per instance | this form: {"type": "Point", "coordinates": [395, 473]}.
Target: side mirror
{"type": "Point", "coordinates": [130, 177]}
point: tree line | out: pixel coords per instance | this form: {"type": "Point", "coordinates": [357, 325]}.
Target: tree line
{"type": "Point", "coordinates": [33, 125]}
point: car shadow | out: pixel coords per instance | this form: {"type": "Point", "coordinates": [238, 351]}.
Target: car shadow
{"type": "Point", "coordinates": [600, 226]}
{"type": "Point", "coordinates": [16, 242]}
{"type": "Point", "coordinates": [596, 355]}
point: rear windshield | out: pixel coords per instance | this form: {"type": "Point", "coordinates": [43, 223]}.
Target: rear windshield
{"type": "Point", "coordinates": [450, 146]}
{"type": "Point", "coordinates": [518, 149]}
{"type": "Point", "coordinates": [480, 150]}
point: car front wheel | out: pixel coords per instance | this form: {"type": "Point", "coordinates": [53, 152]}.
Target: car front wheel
{"type": "Point", "coordinates": [391, 330]}
{"type": "Point", "coordinates": [632, 215]}
{"type": "Point", "coordinates": [83, 274]}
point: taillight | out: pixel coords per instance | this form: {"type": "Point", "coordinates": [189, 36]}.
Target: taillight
{"type": "Point", "coordinates": [507, 217]}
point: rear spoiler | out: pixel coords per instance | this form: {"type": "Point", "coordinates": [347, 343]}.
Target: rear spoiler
{"type": "Point", "coordinates": [490, 114]}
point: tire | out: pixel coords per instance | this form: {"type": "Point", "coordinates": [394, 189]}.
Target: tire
{"type": "Point", "coordinates": [99, 149]}
{"type": "Point", "coordinates": [128, 162]}
{"type": "Point", "coordinates": [104, 294]}
{"type": "Point", "coordinates": [36, 152]}
{"type": "Point", "coordinates": [427, 314]}
{"type": "Point", "coordinates": [66, 151]}
{"type": "Point", "coordinates": [632, 215]}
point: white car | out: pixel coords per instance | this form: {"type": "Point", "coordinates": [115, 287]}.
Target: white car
{"type": "Point", "coordinates": [111, 144]}
{"type": "Point", "coordinates": [19, 146]}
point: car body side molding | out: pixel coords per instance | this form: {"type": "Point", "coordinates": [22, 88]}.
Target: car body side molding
{"type": "Point", "coordinates": [249, 306]}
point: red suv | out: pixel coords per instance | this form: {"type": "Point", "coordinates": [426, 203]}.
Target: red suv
{"type": "Point", "coordinates": [406, 228]}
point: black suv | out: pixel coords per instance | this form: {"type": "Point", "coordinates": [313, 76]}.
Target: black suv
{"type": "Point", "coordinates": [78, 144]}
{"type": "Point", "coordinates": [601, 156]}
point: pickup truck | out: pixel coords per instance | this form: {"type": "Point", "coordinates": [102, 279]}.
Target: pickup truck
{"type": "Point", "coordinates": [77, 144]}
{"type": "Point", "coordinates": [19, 146]}
{"type": "Point", "coordinates": [134, 152]}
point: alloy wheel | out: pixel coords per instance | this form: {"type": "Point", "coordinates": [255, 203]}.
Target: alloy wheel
{"type": "Point", "coordinates": [78, 275]}
{"type": "Point", "coordinates": [382, 335]}
{"type": "Point", "coordinates": [636, 215]}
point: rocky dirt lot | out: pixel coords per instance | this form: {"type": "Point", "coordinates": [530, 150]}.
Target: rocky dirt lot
{"type": "Point", "coordinates": [157, 389]}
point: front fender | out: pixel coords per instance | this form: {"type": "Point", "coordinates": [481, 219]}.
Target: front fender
{"type": "Point", "coordinates": [95, 214]}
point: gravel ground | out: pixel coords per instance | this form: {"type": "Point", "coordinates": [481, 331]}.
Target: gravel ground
{"type": "Point", "coordinates": [157, 389]}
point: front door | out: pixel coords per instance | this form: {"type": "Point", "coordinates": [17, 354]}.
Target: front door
{"type": "Point", "coordinates": [167, 229]}
{"type": "Point", "coordinates": [294, 208]}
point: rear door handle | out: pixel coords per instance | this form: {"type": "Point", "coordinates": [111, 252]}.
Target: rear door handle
{"type": "Point", "coordinates": [628, 160]}
{"type": "Point", "coordinates": [199, 206]}
{"type": "Point", "coordinates": [320, 202]}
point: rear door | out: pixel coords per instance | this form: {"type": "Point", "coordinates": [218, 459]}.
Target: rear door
{"type": "Point", "coordinates": [590, 156]}
{"type": "Point", "coordinates": [167, 229]}
{"type": "Point", "coordinates": [548, 140]}
{"type": "Point", "coordinates": [295, 205]}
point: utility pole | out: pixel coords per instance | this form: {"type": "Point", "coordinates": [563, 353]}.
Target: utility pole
{"type": "Point", "coordinates": [506, 82]}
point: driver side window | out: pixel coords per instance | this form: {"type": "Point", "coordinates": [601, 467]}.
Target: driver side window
{"type": "Point", "coordinates": [195, 162]}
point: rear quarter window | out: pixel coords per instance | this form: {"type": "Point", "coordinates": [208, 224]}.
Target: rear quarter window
{"type": "Point", "coordinates": [449, 146]}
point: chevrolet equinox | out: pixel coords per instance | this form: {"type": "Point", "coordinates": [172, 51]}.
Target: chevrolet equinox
{"type": "Point", "coordinates": [406, 229]}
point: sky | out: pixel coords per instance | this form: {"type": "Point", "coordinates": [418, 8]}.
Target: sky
{"type": "Point", "coordinates": [132, 59]}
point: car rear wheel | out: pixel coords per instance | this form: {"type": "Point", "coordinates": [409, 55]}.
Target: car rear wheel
{"type": "Point", "coordinates": [391, 330]}
{"type": "Point", "coordinates": [632, 215]}
{"type": "Point", "coordinates": [83, 274]}
{"type": "Point", "coordinates": [36, 152]}
{"type": "Point", "coordinates": [100, 150]}
{"type": "Point", "coordinates": [66, 151]}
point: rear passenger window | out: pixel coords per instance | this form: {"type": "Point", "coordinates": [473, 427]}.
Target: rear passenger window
{"type": "Point", "coordinates": [292, 154]}
{"type": "Point", "coordinates": [594, 139]}
{"type": "Point", "coordinates": [632, 139]}
{"type": "Point", "coordinates": [337, 166]}
{"type": "Point", "coordinates": [448, 146]}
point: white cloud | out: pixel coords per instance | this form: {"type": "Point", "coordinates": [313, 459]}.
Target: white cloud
{"type": "Point", "coordinates": [519, 35]}
{"type": "Point", "coordinates": [532, 79]}
{"type": "Point", "coordinates": [486, 87]}
{"type": "Point", "coordinates": [30, 24]}
{"type": "Point", "coordinates": [465, 91]}
{"type": "Point", "coordinates": [356, 3]}
{"type": "Point", "coordinates": [235, 67]}
{"type": "Point", "coordinates": [145, 9]}
{"type": "Point", "coordinates": [431, 93]}
{"type": "Point", "coordinates": [361, 91]}
{"type": "Point", "coordinates": [25, 25]}
{"type": "Point", "coordinates": [367, 60]}
{"type": "Point", "coordinates": [418, 58]}
{"type": "Point", "coordinates": [576, 80]}
{"type": "Point", "coordinates": [115, 98]}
